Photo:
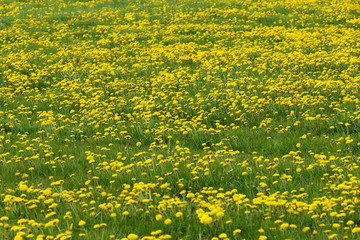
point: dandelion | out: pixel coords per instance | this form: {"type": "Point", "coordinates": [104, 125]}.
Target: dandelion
{"type": "Point", "coordinates": [23, 187]}
{"type": "Point", "coordinates": [336, 225]}
{"type": "Point", "coordinates": [223, 235]}
{"type": "Point", "coordinates": [206, 219]}
{"type": "Point", "coordinates": [220, 214]}
{"type": "Point", "coordinates": [332, 236]}
{"type": "Point", "coordinates": [283, 226]}
{"type": "Point", "coordinates": [132, 236]}
{"type": "Point", "coordinates": [190, 195]}
{"type": "Point", "coordinates": [4, 218]}
{"type": "Point", "coordinates": [236, 231]}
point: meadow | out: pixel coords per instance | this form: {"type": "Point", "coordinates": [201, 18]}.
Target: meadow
{"type": "Point", "coordinates": [164, 119]}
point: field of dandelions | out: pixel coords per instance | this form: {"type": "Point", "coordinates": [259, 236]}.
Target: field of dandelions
{"type": "Point", "coordinates": [164, 119]}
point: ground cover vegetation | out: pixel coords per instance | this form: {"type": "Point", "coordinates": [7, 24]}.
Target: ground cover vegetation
{"type": "Point", "coordinates": [218, 119]}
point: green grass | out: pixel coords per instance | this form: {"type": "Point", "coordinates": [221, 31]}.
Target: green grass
{"type": "Point", "coordinates": [117, 106]}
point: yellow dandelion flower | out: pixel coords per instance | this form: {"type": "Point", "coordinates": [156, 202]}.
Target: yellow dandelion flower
{"type": "Point", "coordinates": [236, 231]}
{"type": "Point", "coordinates": [23, 187]}
{"type": "Point", "coordinates": [190, 195]}
{"type": "Point", "coordinates": [223, 235]}
{"type": "Point", "coordinates": [132, 236]}
{"type": "Point", "coordinates": [332, 236]}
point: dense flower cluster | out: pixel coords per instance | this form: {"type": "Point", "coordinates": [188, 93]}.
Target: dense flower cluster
{"type": "Point", "coordinates": [131, 119]}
